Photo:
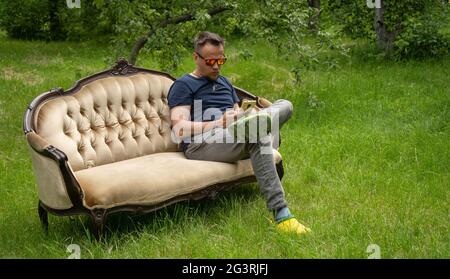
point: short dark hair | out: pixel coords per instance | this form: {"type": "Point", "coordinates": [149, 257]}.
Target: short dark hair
{"type": "Point", "coordinates": [207, 37]}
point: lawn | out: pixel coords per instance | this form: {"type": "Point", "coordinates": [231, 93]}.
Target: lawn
{"type": "Point", "coordinates": [366, 153]}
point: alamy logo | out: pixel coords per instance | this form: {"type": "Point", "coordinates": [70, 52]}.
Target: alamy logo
{"type": "Point", "coordinates": [374, 4]}
{"type": "Point", "coordinates": [74, 250]}
{"type": "Point", "coordinates": [72, 4]}
{"type": "Point", "coordinates": [374, 251]}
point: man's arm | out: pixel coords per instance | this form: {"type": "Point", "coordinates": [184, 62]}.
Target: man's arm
{"type": "Point", "coordinates": [183, 127]}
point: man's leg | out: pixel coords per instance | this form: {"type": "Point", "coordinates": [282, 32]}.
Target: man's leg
{"type": "Point", "coordinates": [262, 162]}
{"type": "Point", "coordinates": [281, 112]}
{"type": "Point", "coordinates": [261, 156]}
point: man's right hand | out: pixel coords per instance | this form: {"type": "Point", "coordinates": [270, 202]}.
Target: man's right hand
{"type": "Point", "coordinates": [229, 117]}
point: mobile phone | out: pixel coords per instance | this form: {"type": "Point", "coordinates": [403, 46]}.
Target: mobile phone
{"type": "Point", "coordinates": [247, 104]}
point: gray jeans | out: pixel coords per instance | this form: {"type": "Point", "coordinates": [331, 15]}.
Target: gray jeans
{"type": "Point", "coordinates": [262, 162]}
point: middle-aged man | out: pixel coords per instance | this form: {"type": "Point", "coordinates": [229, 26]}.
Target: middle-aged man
{"type": "Point", "coordinates": [205, 113]}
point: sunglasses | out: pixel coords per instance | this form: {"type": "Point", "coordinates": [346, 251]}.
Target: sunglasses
{"type": "Point", "coordinates": [212, 61]}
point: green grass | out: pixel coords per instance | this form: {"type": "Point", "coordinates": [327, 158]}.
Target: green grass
{"type": "Point", "coordinates": [366, 156]}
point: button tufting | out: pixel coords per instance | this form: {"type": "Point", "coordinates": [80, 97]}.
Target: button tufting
{"type": "Point", "coordinates": [89, 164]}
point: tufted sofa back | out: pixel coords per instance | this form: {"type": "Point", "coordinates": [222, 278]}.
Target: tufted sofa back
{"type": "Point", "coordinates": [109, 119]}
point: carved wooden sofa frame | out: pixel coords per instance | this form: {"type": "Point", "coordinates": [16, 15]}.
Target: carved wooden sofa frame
{"type": "Point", "coordinates": [44, 150]}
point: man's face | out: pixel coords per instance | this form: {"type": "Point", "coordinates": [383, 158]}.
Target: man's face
{"type": "Point", "coordinates": [209, 51]}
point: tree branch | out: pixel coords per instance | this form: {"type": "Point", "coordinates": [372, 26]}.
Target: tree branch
{"type": "Point", "coordinates": [180, 19]}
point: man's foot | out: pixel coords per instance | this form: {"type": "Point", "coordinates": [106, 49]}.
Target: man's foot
{"type": "Point", "coordinates": [251, 127]}
{"type": "Point", "coordinates": [291, 225]}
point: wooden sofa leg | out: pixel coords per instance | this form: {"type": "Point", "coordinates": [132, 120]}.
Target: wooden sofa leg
{"type": "Point", "coordinates": [280, 169]}
{"type": "Point", "coordinates": [98, 217]}
{"type": "Point", "coordinates": [43, 216]}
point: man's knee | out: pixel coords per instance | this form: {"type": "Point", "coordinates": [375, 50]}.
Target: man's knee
{"type": "Point", "coordinates": [282, 111]}
{"type": "Point", "coordinates": [288, 107]}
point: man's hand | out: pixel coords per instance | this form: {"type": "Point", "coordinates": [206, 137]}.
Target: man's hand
{"type": "Point", "coordinates": [229, 117]}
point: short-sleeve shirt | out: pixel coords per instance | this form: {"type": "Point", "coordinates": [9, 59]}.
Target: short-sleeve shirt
{"type": "Point", "coordinates": [214, 95]}
{"type": "Point", "coordinates": [207, 98]}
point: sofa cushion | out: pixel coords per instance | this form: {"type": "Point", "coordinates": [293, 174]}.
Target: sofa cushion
{"type": "Point", "coordinates": [155, 178]}
{"type": "Point", "coordinates": [109, 119]}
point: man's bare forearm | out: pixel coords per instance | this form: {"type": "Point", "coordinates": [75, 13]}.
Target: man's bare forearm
{"type": "Point", "coordinates": [185, 128]}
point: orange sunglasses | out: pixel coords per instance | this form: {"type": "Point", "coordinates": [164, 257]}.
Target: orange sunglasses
{"type": "Point", "coordinates": [212, 61]}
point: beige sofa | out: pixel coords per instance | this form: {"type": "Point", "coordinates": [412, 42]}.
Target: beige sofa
{"type": "Point", "coordinates": [105, 146]}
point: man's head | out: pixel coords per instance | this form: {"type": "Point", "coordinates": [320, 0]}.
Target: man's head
{"type": "Point", "coordinates": [208, 54]}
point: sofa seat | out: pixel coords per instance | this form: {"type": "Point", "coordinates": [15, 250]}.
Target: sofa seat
{"type": "Point", "coordinates": [155, 178]}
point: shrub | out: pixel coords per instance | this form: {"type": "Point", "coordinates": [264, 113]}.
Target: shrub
{"type": "Point", "coordinates": [27, 19]}
{"type": "Point", "coordinates": [52, 20]}
{"type": "Point", "coordinates": [421, 38]}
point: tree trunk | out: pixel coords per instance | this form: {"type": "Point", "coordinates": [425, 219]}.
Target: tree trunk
{"type": "Point", "coordinates": [143, 40]}
{"type": "Point", "coordinates": [385, 38]}
{"type": "Point", "coordinates": [314, 4]}
{"type": "Point", "coordinates": [314, 19]}
{"type": "Point", "coordinates": [54, 22]}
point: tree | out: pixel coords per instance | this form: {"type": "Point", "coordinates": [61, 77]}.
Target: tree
{"type": "Point", "coordinates": [166, 28]}
{"type": "Point", "coordinates": [180, 19]}
{"type": "Point", "coordinates": [55, 25]}
{"type": "Point", "coordinates": [385, 38]}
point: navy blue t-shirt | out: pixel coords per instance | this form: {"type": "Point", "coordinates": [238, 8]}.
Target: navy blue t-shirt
{"type": "Point", "coordinates": [208, 98]}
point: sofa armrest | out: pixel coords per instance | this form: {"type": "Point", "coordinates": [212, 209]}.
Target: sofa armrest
{"type": "Point", "coordinates": [57, 185]}
{"type": "Point", "coordinates": [260, 101]}
{"type": "Point", "coordinates": [37, 142]}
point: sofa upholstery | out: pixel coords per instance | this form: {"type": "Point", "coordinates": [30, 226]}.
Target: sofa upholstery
{"type": "Point", "coordinates": [131, 178]}
{"type": "Point", "coordinates": [109, 120]}
{"type": "Point", "coordinates": [106, 144]}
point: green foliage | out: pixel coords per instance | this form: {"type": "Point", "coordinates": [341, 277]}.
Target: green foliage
{"type": "Point", "coordinates": [416, 24]}
{"type": "Point", "coordinates": [355, 17]}
{"type": "Point", "coordinates": [26, 19]}
{"type": "Point", "coordinates": [167, 44]}
{"type": "Point", "coordinates": [285, 26]}
{"type": "Point", "coordinates": [52, 20]}
{"type": "Point", "coordinates": [422, 37]}
{"type": "Point", "coordinates": [86, 22]}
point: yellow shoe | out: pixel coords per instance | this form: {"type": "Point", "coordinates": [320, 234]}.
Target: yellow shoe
{"type": "Point", "coordinates": [292, 226]}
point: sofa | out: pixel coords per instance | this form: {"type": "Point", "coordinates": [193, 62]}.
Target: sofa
{"type": "Point", "coordinates": [105, 146]}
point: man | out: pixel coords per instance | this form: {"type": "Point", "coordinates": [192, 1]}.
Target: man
{"type": "Point", "coordinates": [205, 112]}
